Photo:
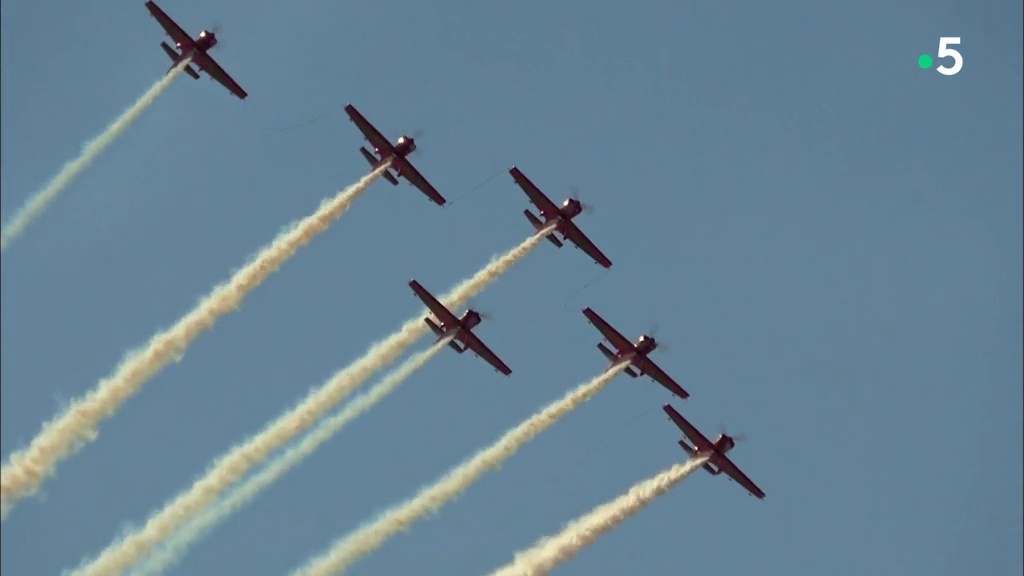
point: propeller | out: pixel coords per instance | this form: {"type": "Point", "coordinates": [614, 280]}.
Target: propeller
{"type": "Point", "coordinates": [585, 208]}
{"type": "Point", "coordinates": [416, 136]}
{"type": "Point", "coordinates": [485, 315]}
{"type": "Point", "coordinates": [653, 333]}
{"type": "Point", "coordinates": [740, 437]}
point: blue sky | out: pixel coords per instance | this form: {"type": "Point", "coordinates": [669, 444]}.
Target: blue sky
{"type": "Point", "coordinates": [828, 237]}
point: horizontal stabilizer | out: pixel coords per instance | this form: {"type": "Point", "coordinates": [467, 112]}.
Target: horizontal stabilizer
{"type": "Point", "coordinates": [374, 163]}
{"type": "Point", "coordinates": [434, 327]}
{"type": "Point", "coordinates": [170, 52]}
{"type": "Point", "coordinates": [175, 58]}
{"type": "Point", "coordinates": [538, 225]}
{"type": "Point", "coordinates": [607, 353]}
{"type": "Point", "coordinates": [692, 452]}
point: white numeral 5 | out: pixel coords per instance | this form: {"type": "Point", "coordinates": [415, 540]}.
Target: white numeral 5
{"type": "Point", "coordinates": [945, 50]}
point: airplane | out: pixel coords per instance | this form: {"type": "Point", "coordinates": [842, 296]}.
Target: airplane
{"type": "Point", "coordinates": [635, 353]}
{"type": "Point", "coordinates": [463, 328]}
{"type": "Point", "coordinates": [563, 215]}
{"type": "Point", "coordinates": [397, 152]}
{"type": "Point", "coordinates": [717, 462]}
{"type": "Point", "coordinates": [196, 49]}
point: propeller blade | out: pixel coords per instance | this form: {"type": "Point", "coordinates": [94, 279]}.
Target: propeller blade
{"type": "Point", "coordinates": [417, 133]}
{"type": "Point", "coordinates": [739, 437]}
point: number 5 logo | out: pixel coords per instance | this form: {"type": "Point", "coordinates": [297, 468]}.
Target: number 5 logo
{"type": "Point", "coordinates": [944, 50]}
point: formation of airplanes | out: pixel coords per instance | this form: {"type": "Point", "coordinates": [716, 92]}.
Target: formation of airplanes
{"type": "Point", "coordinates": [553, 218]}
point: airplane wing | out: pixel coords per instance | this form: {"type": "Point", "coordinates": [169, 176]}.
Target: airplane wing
{"type": "Point", "coordinates": [373, 136]}
{"type": "Point", "coordinates": [577, 237]}
{"type": "Point", "coordinates": [700, 442]}
{"type": "Point", "coordinates": [474, 343]}
{"type": "Point", "coordinates": [439, 310]}
{"type": "Point", "coordinates": [611, 334]}
{"type": "Point", "coordinates": [170, 26]}
{"type": "Point", "coordinates": [210, 66]}
{"type": "Point", "coordinates": [727, 466]}
{"type": "Point", "coordinates": [647, 366]}
{"type": "Point", "coordinates": [410, 173]}
{"type": "Point", "coordinates": [539, 199]}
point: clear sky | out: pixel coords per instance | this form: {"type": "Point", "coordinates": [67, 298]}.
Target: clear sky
{"type": "Point", "coordinates": [828, 237]}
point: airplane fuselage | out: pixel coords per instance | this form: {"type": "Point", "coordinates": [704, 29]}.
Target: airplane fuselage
{"type": "Point", "coordinates": [569, 209]}
{"type": "Point", "coordinates": [469, 320]}
{"type": "Point", "coordinates": [722, 445]}
{"type": "Point", "coordinates": [202, 43]}
{"type": "Point", "coordinates": [402, 148]}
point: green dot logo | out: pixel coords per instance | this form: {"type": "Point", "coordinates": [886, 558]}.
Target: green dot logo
{"type": "Point", "coordinates": [925, 61]}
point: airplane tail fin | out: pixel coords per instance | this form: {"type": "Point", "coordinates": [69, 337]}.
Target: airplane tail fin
{"type": "Point", "coordinates": [374, 163]}
{"type": "Point", "coordinates": [175, 58]}
{"type": "Point", "coordinates": [537, 225]}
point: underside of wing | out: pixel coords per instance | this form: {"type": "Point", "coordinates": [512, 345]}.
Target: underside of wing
{"type": "Point", "coordinates": [610, 334]}
{"type": "Point", "coordinates": [573, 233]}
{"type": "Point", "coordinates": [410, 173]}
{"type": "Point", "coordinates": [170, 26]}
{"type": "Point", "coordinates": [436, 308]}
{"type": "Point", "coordinates": [477, 345]}
{"type": "Point", "coordinates": [211, 67]}
{"type": "Point", "coordinates": [699, 441]}
{"type": "Point", "coordinates": [539, 199]}
{"type": "Point", "coordinates": [373, 136]}
{"type": "Point", "coordinates": [726, 465]}
{"type": "Point", "coordinates": [647, 366]}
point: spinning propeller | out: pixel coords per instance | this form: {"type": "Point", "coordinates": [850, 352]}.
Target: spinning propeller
{"type": "Point", "coordinates": [586, 208]}
{"type": "Point", "coordinates": [740, 437]}
{"type": "Point", "coordinates": [653, 333]}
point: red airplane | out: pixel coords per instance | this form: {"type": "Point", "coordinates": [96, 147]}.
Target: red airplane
{"type": "Point", "coordinates": [635, 353]}
{"type": "Point", "coordinates": [397, 152]}
{"type": "Point", "coordinates": [195, 49]}
{"type": "Point", "coordinates": [462, 327]}
{"type": "Point", "coordinates": [717, 462]}
{"type": "Point", "coordinates": [563, 215]}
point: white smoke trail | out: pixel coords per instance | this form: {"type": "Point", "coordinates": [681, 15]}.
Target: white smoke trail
{"type": "Point", "coordinates": [549, 552]}
{"type": "Point", "coordinates": [26, 470]}
{"type": "Point", "coordinates": [242, 495]}
{"type": "Point", "coordinates": [371, 536]}
{"type": "Point", "coordinates": [125, 552]}
{"type": "Point", "coordinates": [90, 152]}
